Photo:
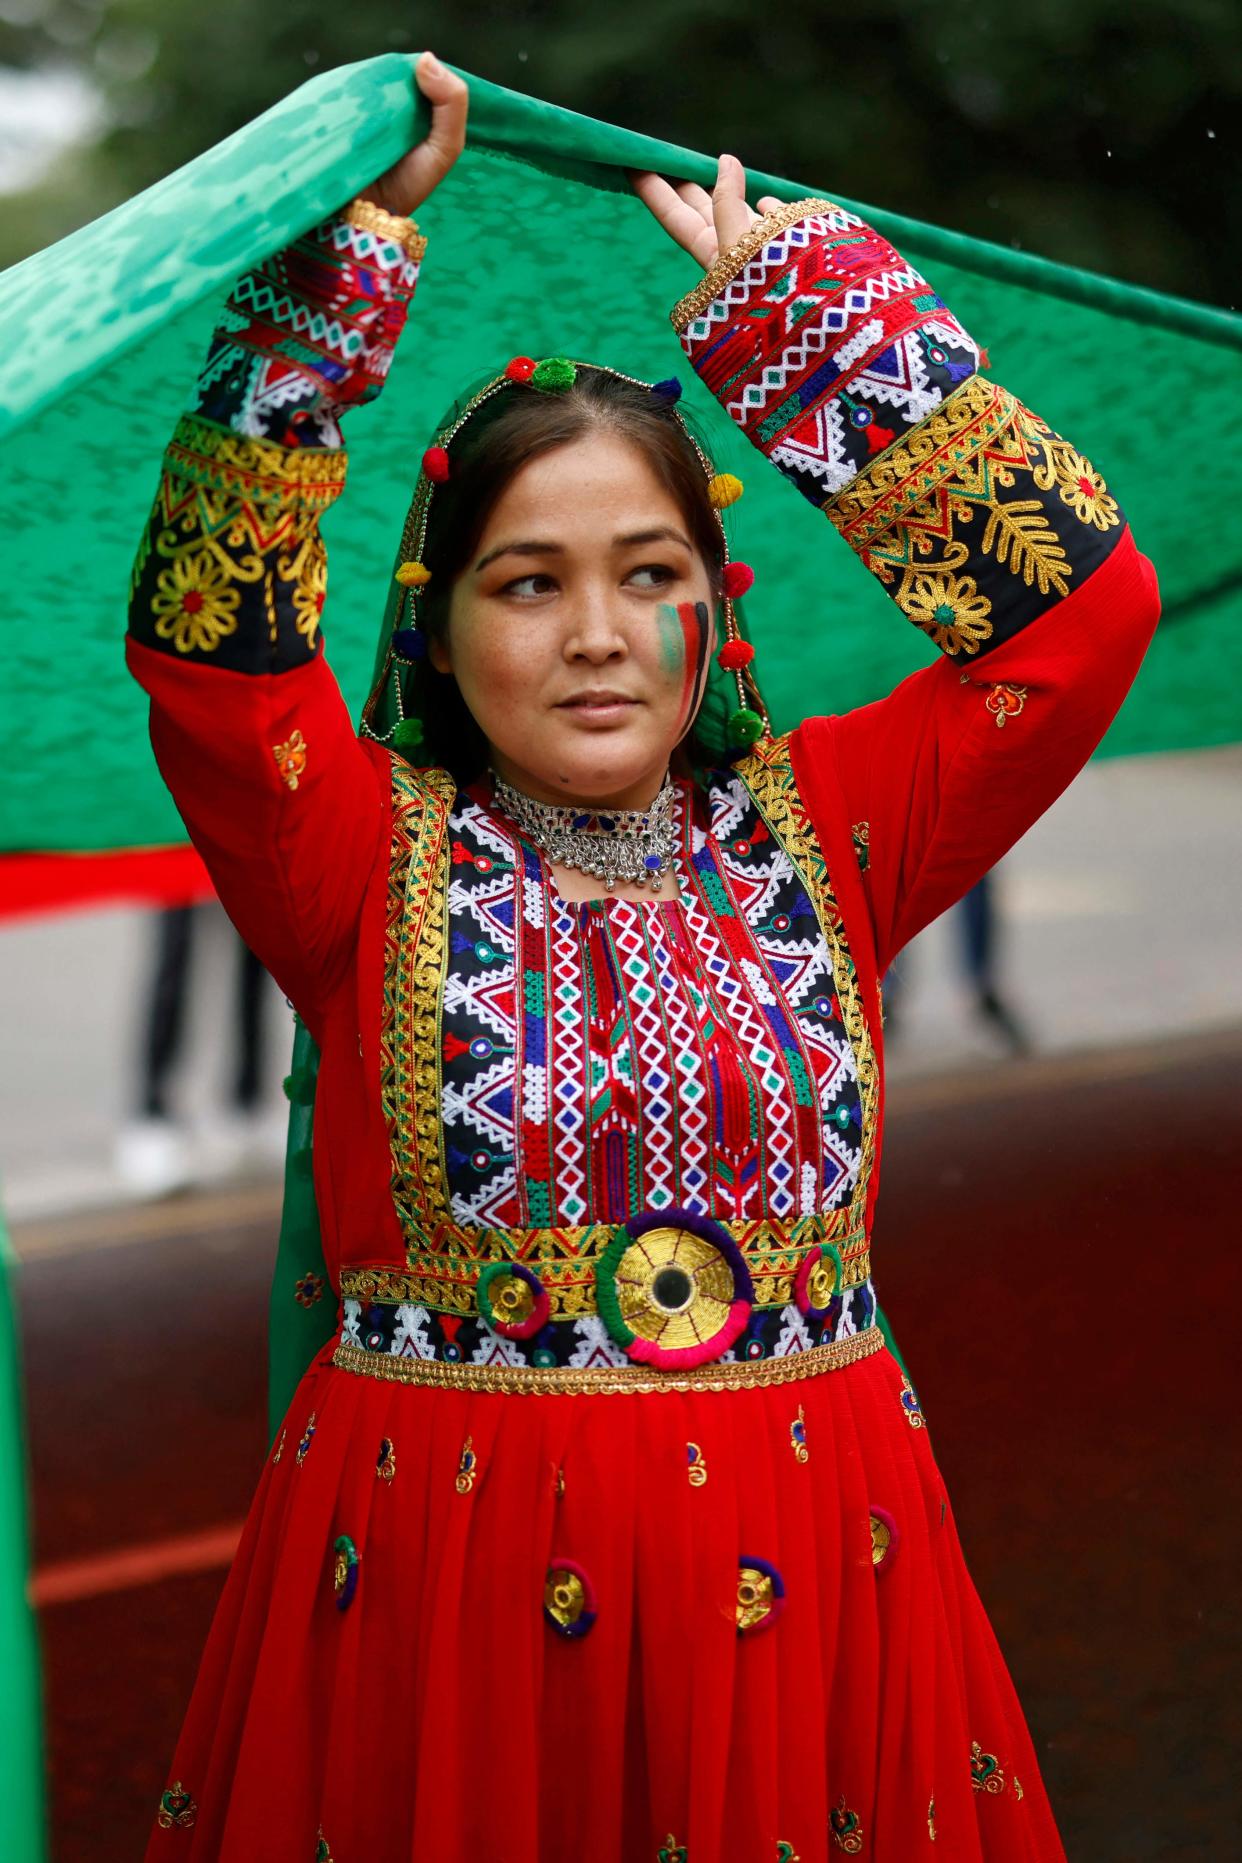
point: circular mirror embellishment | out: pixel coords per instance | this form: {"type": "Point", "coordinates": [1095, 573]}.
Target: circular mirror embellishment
{"type": "Point", "coordinates": [512, 1299]}
{"type": "Point", "coordinates": [568, 1599]}
{"type": "Point", "coordinates": [818, 1280]}
{"type": "Point", "coordinates": [345, 1571]}
{"type": "Point", "coordinates": [760, 1594]}
{"type": "Point", "coordinates": [885, 1538]}
{"type": "Point", "coordinates": [673, 1289]}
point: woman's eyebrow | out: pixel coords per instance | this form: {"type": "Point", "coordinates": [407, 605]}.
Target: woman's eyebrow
{"type": "Point", "coordinates": [520, 550]}
{"type": "Point", "coordinates": [662, 533]}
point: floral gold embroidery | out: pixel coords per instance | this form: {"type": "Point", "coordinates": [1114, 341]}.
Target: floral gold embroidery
{"type": "Point", "coordinates": [308, 1288]}
{"type": "Point", "coordinates": [195, 606]}
{"type": "Point", "coordinates": [280, 1444]}
{"type": "Point", "coordinates": [386, 1460]}
{"type": "Point", "coordinates": [671, 1851]}
{"type": "Point", "coordinates": [931, 1819]}
{"type": "Point", "coordinates": [291, 759]}
{"type": "Point", "coordinates": [696, 1465]}
{"type": "Point", "coordinates": [797, 1437]}
{"type": "Point", "coordinates": [1005, 702]}
{"type": "Point", "coordinates": [948, 608]}
{"type": "Point", "coordinates": [957, 518]}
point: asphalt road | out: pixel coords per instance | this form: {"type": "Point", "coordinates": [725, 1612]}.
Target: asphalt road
{"type": "Point", "coordinates": [1083, 1402]}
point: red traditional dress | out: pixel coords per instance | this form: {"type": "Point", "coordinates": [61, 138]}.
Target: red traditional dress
{"type": "Point", "coordinates": [607, 1527]}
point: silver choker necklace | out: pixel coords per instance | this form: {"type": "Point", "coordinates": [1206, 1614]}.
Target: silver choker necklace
{"type": "Point", "coordinates": [635, 845]}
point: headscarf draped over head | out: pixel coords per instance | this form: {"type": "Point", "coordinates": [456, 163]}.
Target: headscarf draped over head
{"type": "Point", "coordinates": [393, 713]}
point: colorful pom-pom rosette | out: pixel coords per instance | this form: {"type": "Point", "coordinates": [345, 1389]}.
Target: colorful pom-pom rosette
{"type": "Point", "coordinates": [673, 1289]}
{"type": "Point", "coordinates": [760, 1594]}
{"type": "Point", "coordinates": [512, 1299]}
{"type": "Point", "coordinates": [345, 1562]}
{"type": "Point", "coordinates": [818, 1281]}
{"type": "Point", "coordinates": [568, 1599]}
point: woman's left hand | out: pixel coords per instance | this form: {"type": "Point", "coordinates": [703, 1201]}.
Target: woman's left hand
{"type": "Point", "coordinates": [406, 185]}
{"type": "Point", "coordinates": [704, 224]}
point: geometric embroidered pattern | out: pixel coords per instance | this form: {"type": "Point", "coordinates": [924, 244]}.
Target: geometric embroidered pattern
{"type": "Point", "coordinates": [844, 368]}
{"type": "Point", "coordinates": [550, 1069]}
{"type": "Point", "coordinates": [822, 343]}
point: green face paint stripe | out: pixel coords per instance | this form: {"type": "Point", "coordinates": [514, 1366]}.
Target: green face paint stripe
{"type": "Point", "coordinates": [672, 639]}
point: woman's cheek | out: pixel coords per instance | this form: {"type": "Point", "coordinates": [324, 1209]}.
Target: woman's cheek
{"type": "Point", "coordinates": [685, 641]}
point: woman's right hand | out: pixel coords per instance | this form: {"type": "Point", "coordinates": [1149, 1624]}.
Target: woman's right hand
{"type": "Point", "coordinates": [405, 186]}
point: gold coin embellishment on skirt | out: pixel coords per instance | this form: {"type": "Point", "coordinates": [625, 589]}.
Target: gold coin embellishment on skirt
{"type": "Point", "coordinates": [885, 1538]}
{"type": "Point", "coordinates": [568, 1599]}
{"type": "Point", "coordinates": [760, 1594]}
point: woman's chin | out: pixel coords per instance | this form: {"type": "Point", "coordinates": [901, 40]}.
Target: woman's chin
{"type": "Point", "coordinates": [594, 766]}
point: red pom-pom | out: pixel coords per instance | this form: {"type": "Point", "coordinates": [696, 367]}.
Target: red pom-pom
{"type": "Point", "coordinates": [738, 577]}
{"type": "Point", "coordinates": [520, 369]}
{"type": "Point", "coordinates": [734, 655]}
{"type": "Point", "coordinates": [436, 464]}
{"type": "Point", "coordinates": [879, 437]}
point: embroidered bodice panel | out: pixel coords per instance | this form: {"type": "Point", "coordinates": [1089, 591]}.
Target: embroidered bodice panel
{"type": "Point", "coordinates": [606, 1058]}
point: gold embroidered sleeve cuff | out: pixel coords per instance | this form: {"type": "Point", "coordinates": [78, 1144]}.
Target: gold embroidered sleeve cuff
{"type": "Point", "coordinates": [396, 228]}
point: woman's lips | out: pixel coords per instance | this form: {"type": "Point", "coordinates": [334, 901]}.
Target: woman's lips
{"type": "Point", "coordinates": [598, 708]}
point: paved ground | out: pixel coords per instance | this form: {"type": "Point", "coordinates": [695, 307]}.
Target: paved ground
{"type": "Point", "coordinates": [1082, 1401]}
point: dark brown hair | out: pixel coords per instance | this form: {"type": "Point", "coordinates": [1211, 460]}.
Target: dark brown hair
{"type": "Point", "coordinates": [517, 425]}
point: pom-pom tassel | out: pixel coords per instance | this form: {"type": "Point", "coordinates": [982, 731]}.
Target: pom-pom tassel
{"type": "Point", "coordinates": [724, 490]}
{"type": "Point", "coordinates": [407, 735]}
{"type": "Point", "coordinates": [410, 643]}
{"type": "Point", "coordinates": [554, 376]}
{"type": "Point", "coordinates": [738, 578]}
{"type": "Point", "coordinates": [669, 390]}
{"type": "Point", "coordinates": [436, 464]}
{"type": "Point", "coordinates": [413, 575]}
{"type": "Point", "coordinates": [734, 655]}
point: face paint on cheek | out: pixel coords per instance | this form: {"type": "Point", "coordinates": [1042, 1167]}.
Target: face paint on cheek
{"type": "Point", "coordinates": [696, 633]}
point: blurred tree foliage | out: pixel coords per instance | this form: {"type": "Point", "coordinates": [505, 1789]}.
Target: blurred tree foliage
{"type": "Point", "coordinates": [1095, 132]}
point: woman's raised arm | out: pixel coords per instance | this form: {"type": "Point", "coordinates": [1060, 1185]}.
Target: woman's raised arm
{"type": "Point", "coordinates": [994, 535]}
{"type": "Point", "coordinates": [248, 725]}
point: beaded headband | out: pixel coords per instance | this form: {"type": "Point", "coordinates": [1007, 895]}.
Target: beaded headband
{"type": "Point", "coordinates": [407, 643]}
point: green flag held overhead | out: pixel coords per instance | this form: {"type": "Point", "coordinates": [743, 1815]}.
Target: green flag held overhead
{"type": "Point", "coordinates": [536, 247]}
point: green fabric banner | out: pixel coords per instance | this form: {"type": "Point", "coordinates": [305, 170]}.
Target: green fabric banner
{"type": "Point", "coordinates": [536, 247]}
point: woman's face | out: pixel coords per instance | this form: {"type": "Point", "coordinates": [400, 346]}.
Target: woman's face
{"type": "Point", "coordinates": [580, 632]}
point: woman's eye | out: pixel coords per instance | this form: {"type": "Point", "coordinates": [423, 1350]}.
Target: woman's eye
{"type": "Point", "coordinates": [520, 584]}
{"type": "Point", "coordinates": [661, 570]}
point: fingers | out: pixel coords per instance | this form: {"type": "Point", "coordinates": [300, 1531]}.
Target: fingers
{"type": "Point", "coordinates": [732, 216]}
{"type": "Point", "coordinates": [681, 219]}
{"type": "Point", "coordinates": [449, 98]}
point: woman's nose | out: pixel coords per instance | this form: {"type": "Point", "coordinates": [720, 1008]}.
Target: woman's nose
{"type": "Point", "coordinates": [596, 633]}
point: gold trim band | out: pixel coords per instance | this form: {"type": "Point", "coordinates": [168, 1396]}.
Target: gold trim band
{"type": "Point", "coordinates": [445, 1274]}
{"type": "Point", "coordinates": [607, 1381]}
{"type": "Point", "coordinates": [713, 281]}
{"type": "Point", "coordinates": [394, 226]}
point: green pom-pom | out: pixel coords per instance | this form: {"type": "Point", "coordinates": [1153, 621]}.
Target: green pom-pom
{"type": "Point", "coordinates": [554, 375]}
{"type": "Point", "coordinates": [745, 727]}
{"type": "Point", "coordinates": [408, 735]}
{"type": "Point", "coordinates": [300, 1087]}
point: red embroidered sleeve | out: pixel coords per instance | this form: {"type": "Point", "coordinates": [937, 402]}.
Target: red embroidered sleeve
{"type": "Point", "coordinates": [231, 571]}
{"type": "Point", "coordinates": [996, 537]}
{"type": "Point", "coordinates": [841, 363]}
{"type": "Point", "coordinates": [249, 728]}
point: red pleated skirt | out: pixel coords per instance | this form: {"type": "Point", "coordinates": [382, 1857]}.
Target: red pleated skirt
{"type": "Point", "coordinates": [459, 1706]}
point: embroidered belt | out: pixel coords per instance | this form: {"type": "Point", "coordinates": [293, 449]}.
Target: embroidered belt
{"type": "Point", "coordinates": [608, 1380]}
{"type": "Point", "coordinates": [669, 1289]}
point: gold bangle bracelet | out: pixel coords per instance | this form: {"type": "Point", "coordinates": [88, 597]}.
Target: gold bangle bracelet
{"type": "Point", "coordinates": [394, 226]}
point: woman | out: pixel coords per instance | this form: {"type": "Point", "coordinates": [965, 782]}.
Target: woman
{"type": "Point", "coordinates": [608, 1526]}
